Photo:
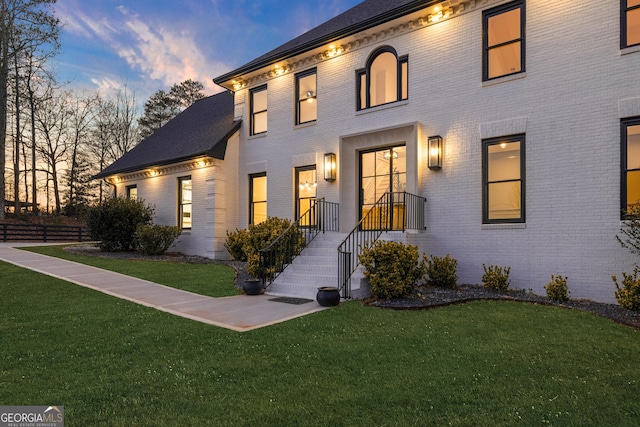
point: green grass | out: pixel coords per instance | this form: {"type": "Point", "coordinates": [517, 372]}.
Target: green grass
{"type": "Point", "coordinates": [212, 280]}
{"type": "Point", "coordinates": [114, 363]}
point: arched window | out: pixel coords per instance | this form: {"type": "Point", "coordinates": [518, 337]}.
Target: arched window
{"type": "Point", "coordinates": [384, 80]}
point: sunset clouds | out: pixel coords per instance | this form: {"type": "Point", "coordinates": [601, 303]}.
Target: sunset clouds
{"type": "Point", "coordinates": [150, 45]}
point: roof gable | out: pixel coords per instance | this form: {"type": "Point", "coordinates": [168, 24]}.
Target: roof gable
{"type": "Point", "coordinates": [201, 129]}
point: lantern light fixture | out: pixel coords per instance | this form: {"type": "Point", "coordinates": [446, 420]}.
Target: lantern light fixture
{"type": "Point", "coordinates": [330, 167]}
{"type": "Point", "coordinates": [435, 152]}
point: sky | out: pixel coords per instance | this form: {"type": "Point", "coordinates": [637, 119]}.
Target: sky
{"type": "Point", "coordinates": [149, 45]}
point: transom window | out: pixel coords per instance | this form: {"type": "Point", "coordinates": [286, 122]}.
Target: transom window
{"type": "Point", "coordinates": [630, 25]}
{"type": "Point", "coordinates": [258, 110]}
{"type": "Point", "coordinates": [306, 97]}
{"type": "Point", "coordinates": [503, 180]}
{"type": "Point", "coordinates": [258, 198]}
{"type": "Point", "coordinates": [503, 40]}
{"type": "Point", "coordinates": [384, 80]}
{"type": "Point", "coordinates": [630, 163]}
{"type": "Point", "coordinates": [185, 199]}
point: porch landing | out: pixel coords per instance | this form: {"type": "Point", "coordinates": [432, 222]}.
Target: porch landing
{"type": "Point", "coordinates": [239, 313]}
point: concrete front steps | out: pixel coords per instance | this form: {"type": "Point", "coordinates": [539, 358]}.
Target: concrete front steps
{"type": "Point", "coordinates": [316, 266]}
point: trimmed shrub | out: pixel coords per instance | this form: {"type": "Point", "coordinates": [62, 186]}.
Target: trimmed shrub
{"type": "Point", "coordinates": [392, 268]}
{"type": "Point", "coordinates": [155, 239]}
{"type": "Point", "coordinates": [628, 292]}
{"type": "Point", "coordinates": [557, 289]}
{"type": "Point", "coordinates": [442, 271]}
{"type": "Point", "coordinates": [260, 236]}
{"type": "Point", "coordinates": [114, 222]}
{"type": "Point", "coordinates": [235, 243]}
{"type": "Point", "coordinates": [496, 278]}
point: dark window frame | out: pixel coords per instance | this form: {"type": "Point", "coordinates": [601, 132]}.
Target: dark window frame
{"type": "Point", "coordinates": [129, 188]}
{"type": "Point", "coordinates": [181, 205]}
{"type": "Point", "coordinates": [251, 201]}
{"type": "Point", "coordinates": [486, 143]}
{"type": "Point", "coordinates": [624, 125]}
{"type": "Point", "coordinates": [624, 9]}
{"type": "Point", "coordinates": [253, 113]}
{"type": "Point", "coordinates": [299, 76]}
{"type": "Point", "coordinates": [400, 60]}
{"type": "Point", "coordinates": [518, 4]}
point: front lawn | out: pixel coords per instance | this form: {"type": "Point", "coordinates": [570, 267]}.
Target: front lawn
{"type": "Point", "coordinates": [212, 280]}
{"type": "Point", "coordinates": [111, 362]}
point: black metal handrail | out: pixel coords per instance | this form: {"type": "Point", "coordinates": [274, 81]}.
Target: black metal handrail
{"type": "Point", "coordinates": [393, 211]}
{"type": "Point", "coordinates": [322, 216]}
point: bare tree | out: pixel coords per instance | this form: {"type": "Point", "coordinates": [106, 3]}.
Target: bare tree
{"type": "Point", "coordinates": [82, 110]}
{"type": "Point", "coordinates": [53, 123]}
{"type": "Point", "coordinates": [25, 25]}
{"type": "Point", "coordinates": [113, 130]}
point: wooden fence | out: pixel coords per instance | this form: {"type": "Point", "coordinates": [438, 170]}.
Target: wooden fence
{"type": "Point", "coordinates": [43, 233]}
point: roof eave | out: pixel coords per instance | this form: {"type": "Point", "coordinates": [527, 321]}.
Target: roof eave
{"type": "Point", "coordinates": [317, 43]}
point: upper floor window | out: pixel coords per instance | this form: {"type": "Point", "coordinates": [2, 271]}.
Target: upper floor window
{"type": "Point", "coordinates": [503, 40]}
{"type": "Point", "coordinates": [630, 25]}
{"type": "Point", "coordinates": [185, 198]}
{"type": "Point", "coordinates": [258, 98]}
{"type": "Point", "coordinates": [132, 192]}
{"type": "Point", "coordinates": [306, 97]}
{"type": "Point", "coordinates": [503, 180]}
{"type": "Point", "coordinates": [384, 79]}
{"type": "Point", "coordinates": [630, 163]}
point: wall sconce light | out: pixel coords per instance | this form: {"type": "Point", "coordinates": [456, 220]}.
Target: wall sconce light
{"type": "Point", "coordinates": [330, 167]}
{"type": "Point", "coordinates": [435, 152]}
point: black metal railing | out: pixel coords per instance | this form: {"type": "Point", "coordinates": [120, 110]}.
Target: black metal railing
{"type": "Point", "coordinates": [392, 212]}
{"type": "Point", "coordinates": [322, 216]}
{"type": "Point", "coordinates": [42, 233]}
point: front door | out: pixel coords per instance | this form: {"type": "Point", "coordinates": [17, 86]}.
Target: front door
{"type": "Point", "coordinates": [382, 171]}
{"type": "Point", "coordinates": [305, 193]}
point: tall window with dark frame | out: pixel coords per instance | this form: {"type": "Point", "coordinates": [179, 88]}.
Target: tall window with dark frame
{"type": "Point", "coordinates": [257, 198]}
{"type": "Point", "coordinates": [185, 200]}
{"type": "Point", "coordinates": [503, 32]}
{"type": "Point", "coordinates": [306, 97]}
{"type": "Point", "coordinates": [384, 79]}
{"type": "Point", "coordinates": [630, 23]}
{"type": "Point", "coordinates": [630, 187]}
{"type": "Point", "coordinates": [258, 101]}
{"type": "Point", "coordinates": [503, 183]}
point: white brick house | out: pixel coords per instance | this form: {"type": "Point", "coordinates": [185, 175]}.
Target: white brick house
{"type": "Point", "coordinates": [536, 103]}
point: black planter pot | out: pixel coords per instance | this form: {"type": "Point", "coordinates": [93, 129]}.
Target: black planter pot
{"type": "Point", "coordinates": [252, 287]}
{"type": "Point", "coordinates": [328, 296]}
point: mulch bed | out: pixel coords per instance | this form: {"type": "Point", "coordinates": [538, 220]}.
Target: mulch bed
{"type": "Point", "coordinates": [426, 297]}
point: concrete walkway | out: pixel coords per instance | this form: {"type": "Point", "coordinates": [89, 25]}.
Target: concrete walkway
{"type": "Point", "coordinates": [239, 313]}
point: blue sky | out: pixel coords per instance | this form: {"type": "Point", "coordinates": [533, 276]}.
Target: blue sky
{"type": "Point", "coordinates": [152, 44]}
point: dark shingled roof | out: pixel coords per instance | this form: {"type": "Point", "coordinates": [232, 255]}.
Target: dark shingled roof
{"type": "Point", "coordinates": [202, 129]}
{"type": "Point", "coordinates": [359, 18]}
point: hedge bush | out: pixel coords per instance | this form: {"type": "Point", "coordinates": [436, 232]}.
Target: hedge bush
{"type": "Point", "coordinates": [155, 239]}
{"type": "Point", "coordinates": [557, 289]}
{"type": "Point", "coordinates": [628, 292]}
{"type": "Point", "coordinates": [393, 269]}
{"type": "Point", "coordinates": [245, 244]}
{"type": "Point", "coordinates": [496, 278]}
{"type": "Point", "coordinates": [235, 243]}
{"type": "Point", "coordinates": [442, 271]}
{"type": "Point", "coordinates": [114, 222]}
